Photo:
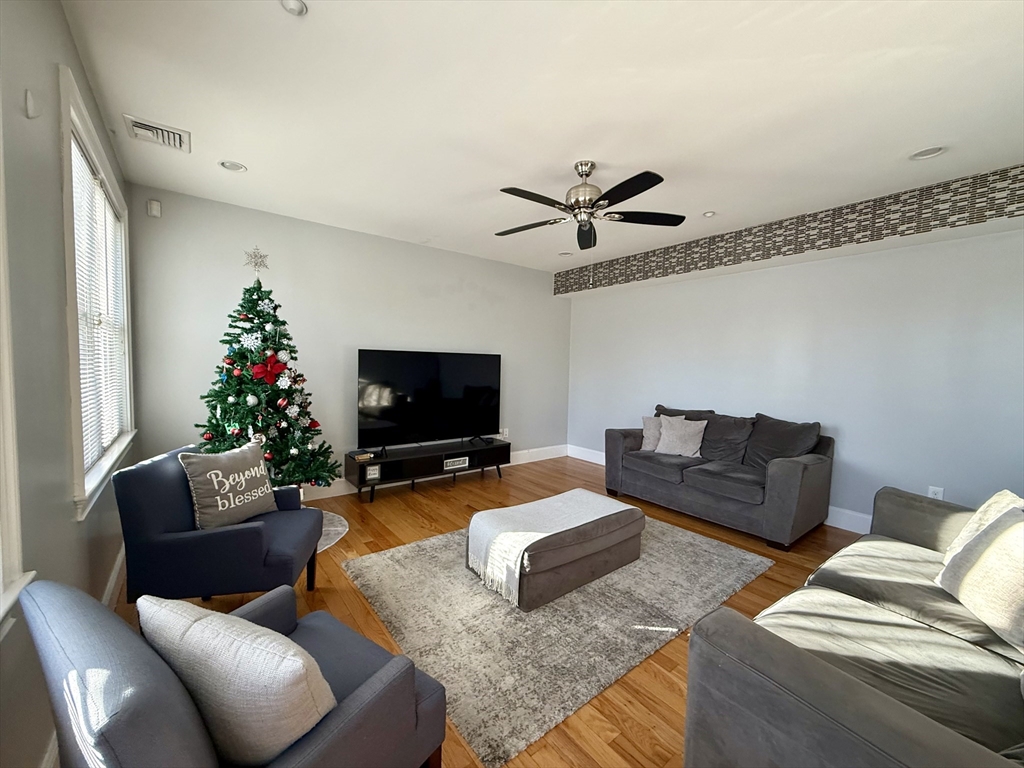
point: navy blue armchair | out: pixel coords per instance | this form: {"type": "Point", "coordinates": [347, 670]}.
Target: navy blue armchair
{"type": "Point", "coordinates": [116, 703]}
{"type": "Point", "coordinates": [167, 556]}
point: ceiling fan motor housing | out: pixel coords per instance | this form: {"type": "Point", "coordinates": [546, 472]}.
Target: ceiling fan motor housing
{"type": "Point", "coordinates": [582, 195]}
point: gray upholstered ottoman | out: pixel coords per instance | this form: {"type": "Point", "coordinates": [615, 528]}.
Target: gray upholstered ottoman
{"type": "Point", "coordinates": [536, 552]}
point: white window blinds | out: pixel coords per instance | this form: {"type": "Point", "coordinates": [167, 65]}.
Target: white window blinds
{"type": "Point", "coordinates": [99, 274]}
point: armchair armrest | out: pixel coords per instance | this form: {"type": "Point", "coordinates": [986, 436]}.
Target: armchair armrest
{"type": "Point", "coordinates": [381, 711]}
{"type": "Point", "coordinates": [288, 497]}
{"type": "Point", "coordinates": [754, 698]}
{"type": "Point", "coordinates": [616, 443]}
{"type": "Point", "coordinates": [796, 496]}
{"type": "Point", "coordinates": [274, 610]}
{"type": "Point", "coordinates": [917, 519]}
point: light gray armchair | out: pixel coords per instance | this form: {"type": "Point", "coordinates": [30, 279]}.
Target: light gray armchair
{"type": "Point", "coordinates": [117, 704]}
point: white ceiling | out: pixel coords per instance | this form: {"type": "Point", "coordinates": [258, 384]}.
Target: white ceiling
{"type": "Point", "coordinates": [403, 119]}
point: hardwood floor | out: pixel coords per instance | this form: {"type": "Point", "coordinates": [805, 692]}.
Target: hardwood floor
{"type": "Point", "coordinates": [639, 719]}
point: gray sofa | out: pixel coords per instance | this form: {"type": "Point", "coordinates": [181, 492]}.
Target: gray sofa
{"type": "Point", "coordinates": [870, 664]}
{"type": "Point", "coordinates": [760, 475]}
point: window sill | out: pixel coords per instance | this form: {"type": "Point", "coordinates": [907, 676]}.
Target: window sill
{"type": "Point", "coordinates": [9, 597]}
{"type": "Point", "coordinates": [98, 476]}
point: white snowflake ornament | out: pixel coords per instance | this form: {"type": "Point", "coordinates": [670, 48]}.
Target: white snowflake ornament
{"type": "Point", "coordinates": [272, 432]}
{"type": "Point", "coordinates": [284, 382]}
{"type": "Point", "coordinates": [292, 411]}
{"type": "Point", "coordinates": [250, 341]}
{"type": "Point", "coordinates": [304, 422]}
{"type": "Point", "coordinates": [266, 305]}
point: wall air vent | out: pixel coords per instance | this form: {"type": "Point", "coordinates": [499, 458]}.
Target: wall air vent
{"type": "Point", "coordinates": [157, 133]}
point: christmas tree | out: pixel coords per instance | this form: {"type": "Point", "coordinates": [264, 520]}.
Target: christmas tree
{"type": "Point", "coordinates": [259, 394]}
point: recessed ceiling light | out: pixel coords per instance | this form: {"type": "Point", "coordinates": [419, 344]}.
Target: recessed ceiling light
{"type": "Point", "coordinates": [708, 214]}
{"type": "Point", "coordinates": [927, 153]}
{"type": "Point", "coordinates": [295, 7]}
{"type": "Point", "coordinates": [563, 254]}
{"type": "Point", "coordinates": [231, 165]}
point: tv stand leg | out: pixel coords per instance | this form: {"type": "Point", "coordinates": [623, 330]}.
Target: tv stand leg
{"type": "Point", "coordinates": [412, 487]}
{"type": "Point", "coordinates": [372, 489]}
{"type": "Point", "coordinates": [454, 475]}
{"type": "Point", "coordinates": [499, 471]}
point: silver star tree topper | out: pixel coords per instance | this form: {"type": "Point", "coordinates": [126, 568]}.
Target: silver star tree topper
{"type": "Point", "coordinates": [256, 259]}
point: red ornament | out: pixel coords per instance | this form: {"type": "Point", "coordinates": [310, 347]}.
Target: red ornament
{"type": "Point", "coordinates": [268, 371]}
{"type": "Point", "coordinates": [207, 436]}
{"type": "Point", "coordinates": [236, 432]}
{"type": "Point", "coordinates": [237, 372]}
{"type": "Point", "coordinates": [314, 424]}
{"type": "Point", "coordinates": [282, 402]}
{"type": "Point", "coordinates": [228, 361]}
{"type": "Point", "coordinates": [243, 316]}
{"type": "Point", "coordinates": [268, 456]}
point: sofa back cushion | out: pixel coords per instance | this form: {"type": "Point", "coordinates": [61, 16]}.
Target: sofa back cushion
{"type": "Point", "coordinates": [778, 439]}
{"type": "Point", "coordinates": [725, 438]}
{"type": "Point", "coordinates": [661, 410]}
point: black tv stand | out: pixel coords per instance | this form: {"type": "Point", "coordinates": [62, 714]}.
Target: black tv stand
{"type": "Point", "coordinates": [416, 462]}
{"type": "Point", "coordinates": [484, 440]}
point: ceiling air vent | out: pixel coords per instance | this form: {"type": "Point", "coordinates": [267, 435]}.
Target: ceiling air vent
{"type": "Point", "coordinates": [157, 133]}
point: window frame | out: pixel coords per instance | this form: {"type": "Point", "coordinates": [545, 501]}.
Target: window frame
{"type": "Point", "coordinates": [76, 123]}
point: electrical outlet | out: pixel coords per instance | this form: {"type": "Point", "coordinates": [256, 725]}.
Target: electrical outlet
{"type": "Point", "coordinates": [504, 433]}
{"type": "Point", "coordinates": [934, 492]}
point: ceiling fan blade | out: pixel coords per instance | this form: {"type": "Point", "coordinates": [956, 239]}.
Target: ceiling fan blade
{"type": "Point", "coordinates": [631, 187]}
{"type": "Point", "coordinates": [646, 217]}
{"type": "Point", "coordinates": [534, 197]}
{"type": "Point", "coordinates": [530, 226]}
{"type": "Point", "coordinates": [587, 238]}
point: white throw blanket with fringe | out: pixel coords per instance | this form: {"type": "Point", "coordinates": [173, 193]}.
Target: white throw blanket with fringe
{"type": "Point", "coordinates": [498, 538]}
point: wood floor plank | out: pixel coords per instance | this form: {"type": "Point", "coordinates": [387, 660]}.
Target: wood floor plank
{"type": "Point", "coordinates": [637, 721]}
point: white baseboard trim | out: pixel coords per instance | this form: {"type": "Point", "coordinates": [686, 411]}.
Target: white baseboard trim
{"type": "Point", "coordinates": [50, 757]}
{"type": "Point", "coordinates": [539, 454]}
{"type": "Point", "coordinates": [113, 584]}
{"type": "Point", "coordinates": [343, 487]}
{"type": "Point", "coordinates": [848, 519]}
{"type": "Point", "coordinates": [587, 454]}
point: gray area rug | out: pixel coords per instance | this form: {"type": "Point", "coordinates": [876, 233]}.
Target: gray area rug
{"type": "Point", "coordinates": [335, 526]}
{"type": "Point", "coordinates": [512, 676]}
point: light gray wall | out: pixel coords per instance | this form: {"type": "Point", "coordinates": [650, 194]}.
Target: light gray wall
{"type": "Point", "coordinates": [34, 39]}
{"type": "Point", "coordinates": [912, 358]}
{"type": "Point", "coordinates": [339, 291]}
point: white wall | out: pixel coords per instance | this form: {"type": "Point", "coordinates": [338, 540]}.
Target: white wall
{"type": "Point", "coordinates": [34, 40]}
{"type": "Point", "coordinates": [912, 358]}
{"type": "Point", "coordinates": [339, 290]}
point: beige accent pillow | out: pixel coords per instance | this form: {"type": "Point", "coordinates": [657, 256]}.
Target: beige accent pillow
{"type": "Point", "coordinates": [228, 487]}
{"type": "Point", "coordinates": [987, 512]}
{"type": "Point", "coordinates": [257, 691]}
{"type": "Point", "coordinates": [680, 437]}
{"type": "Point", "coordinates": [652, 433]}
{"type": "Point", "coordinates": [987, 576]}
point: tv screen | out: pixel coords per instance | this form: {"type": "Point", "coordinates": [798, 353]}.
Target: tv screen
{"type": "Point", "coordinates": [414, 397]}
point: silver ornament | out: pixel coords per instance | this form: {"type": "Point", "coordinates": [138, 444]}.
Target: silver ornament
{"type": "Point", "coordinates": [269, 326]}
{"type": "Point", "coordinates": [232, 399]}
{"type": "Point", "coordinates": [284, 356]}
{"type": "Point", "coordinates": [294, 451]}
{"type": "Point", "coordinates": [251, 400]}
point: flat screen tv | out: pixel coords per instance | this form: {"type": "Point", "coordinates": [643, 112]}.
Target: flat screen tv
{"type": "Point", "coordinates": [415, 397]}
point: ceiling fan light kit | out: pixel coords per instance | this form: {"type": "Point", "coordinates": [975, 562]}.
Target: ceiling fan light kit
{"type": "Point", "coordinates": [585, 203]}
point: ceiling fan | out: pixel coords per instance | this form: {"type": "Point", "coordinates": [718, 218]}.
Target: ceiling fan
{"type": "Point", "coordinates": [585, 204]}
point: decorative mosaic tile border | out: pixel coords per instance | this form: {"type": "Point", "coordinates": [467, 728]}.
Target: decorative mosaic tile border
{"type": "Point", "coordinates": [957, 203]}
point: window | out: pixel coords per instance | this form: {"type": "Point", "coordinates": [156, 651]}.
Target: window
{"type": "Point", "coordinates": [96, 244]}
{"type": "Point", "coordinates": [102, 326]}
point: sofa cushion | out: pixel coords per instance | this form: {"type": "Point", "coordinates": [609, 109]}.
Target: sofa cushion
{"type": "Point", "coordinates": [1001, 502]}
{"type": "Point", "coordinates": [987, 576]}
{"type": "Point", "coordinates": [661, 465]}
{"type": "Point", "coordinates": [228, 487]}
{"type": "Point", "coordinates": [680, 436]}
{"type": "Point", "coordinates": [725, 438]}
{"type": "Point", "coordinates": [900, 577]}
{"type": "Point", "coordinates": [726, 478]}
{"type": "Point", "coordinates": [778, 439]}
{"type": "Point", "coordinates": [652, 433]}
{"type": "Point", "coordinates": [965, 688]}
{"type": "Point", "coordinates": [661, 410]}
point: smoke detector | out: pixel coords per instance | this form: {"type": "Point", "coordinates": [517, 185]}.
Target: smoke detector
{"type": "Point", "coordinates": [158, 133]}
